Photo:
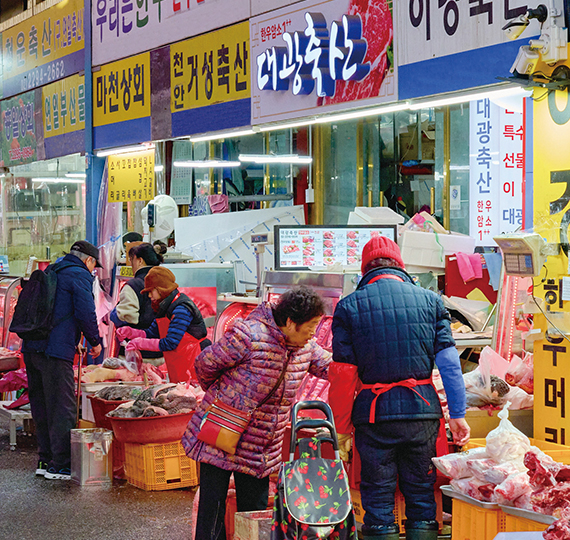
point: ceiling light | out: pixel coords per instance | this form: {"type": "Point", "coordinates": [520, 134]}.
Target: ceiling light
{"type": "Point", "coordinates": [75, 175]}
{"type": "Point", "coordinates": [273, 158]}
{"type": "Point", "coordinates": [362, 113]}
{"type": "Point", "coordinates": [207, 163]}
{"type": "Point", "coordinates": [289, 125]}
{"type": "Point", "coordinates": [224, 135]}
{"type": "Point", "coordinates": [465, 98]}
{"type": "Point", "coordinates": [158, 168]}
{"type": "Point", "coordinates": [55, 180]}
{"type": "Point", "coordinates": [124, 150]}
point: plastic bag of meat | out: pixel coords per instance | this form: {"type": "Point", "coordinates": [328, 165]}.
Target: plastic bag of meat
{"type": "Point", "coordinates": [455, 465]}
{"type": "Point", "coordinates": [524, 502]}
{"type": "Point", "coordinates": [506, 442]}
{"type": "Point", "coordinates": [488, 470]}
{"type": "Point", "coordinates": [482, 491]}
{"type": "Point", "coordinates": [512, 488]}
{"type": "Point", "coordinates": [559, 530]}
{"type": "Point", "coordinates": [519, 399]}
{"type": "Point", "coordinates": [482, 388]}
{"type": "Point", "coordinates": [521, 372]}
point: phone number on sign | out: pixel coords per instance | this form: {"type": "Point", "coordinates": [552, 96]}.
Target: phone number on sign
{"type": "Point", "coordinates": [43, 75]}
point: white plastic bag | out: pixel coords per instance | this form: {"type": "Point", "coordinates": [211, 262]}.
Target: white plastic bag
{"type": "Point", "coordinates": [506, 442]}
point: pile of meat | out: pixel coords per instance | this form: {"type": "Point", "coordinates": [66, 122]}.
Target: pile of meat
{"type": "Point", "coordinates": [509, 471]}
{"type": "Point", "coordinates": [161, 400]}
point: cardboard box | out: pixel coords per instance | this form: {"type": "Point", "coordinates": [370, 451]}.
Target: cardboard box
{"type": "Point", "coordinates": [253, 525]}
{"type": "Point", "coordinates": [409, 146]}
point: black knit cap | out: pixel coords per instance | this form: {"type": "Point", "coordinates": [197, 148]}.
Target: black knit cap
{"type": "Point", "coordinates": [89, 249]}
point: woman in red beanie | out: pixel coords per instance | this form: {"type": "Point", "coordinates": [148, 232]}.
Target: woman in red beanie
{"type": "Point", "coordinates": [178, 331]}
{"type": "Point", "coordinates": [387, 336]}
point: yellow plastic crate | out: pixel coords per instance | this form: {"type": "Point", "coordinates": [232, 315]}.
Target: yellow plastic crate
{"type": "Point", "coordinates": [158, 467]}
{"type": "Point", "coordinates": [469, 522]}
{"type": "Point", "coordinates": [558, 452]}
{"type": "Point", "coordinates": [519, 524]}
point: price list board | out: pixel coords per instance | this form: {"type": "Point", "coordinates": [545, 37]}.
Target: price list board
{"type": "Point", "coordinates": [300, 247]}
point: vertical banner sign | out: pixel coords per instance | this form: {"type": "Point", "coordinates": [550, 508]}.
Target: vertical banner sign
{"type": "Point", "coordinates": [63, 106]}
{"type": "Point", "coordinates": [17, 135]}
{"type": "Point", "coordinates": [121, 91]}
{"type": "Point", "coordinates": [551, 365]}
{"type": "Point", "coordinates": [44, 48]}
{"type": "Point", "coordinates": [484, 171]}
{"type": "Point", "coordinates": [131, 177]}
{"type": "Point", "coordinates": [213, 68]}
{"type": "Point", "coordinates": [511, 166]}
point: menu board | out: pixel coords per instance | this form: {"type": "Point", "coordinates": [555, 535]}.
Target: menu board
{"type": "Point", "coordinates": [299, 247]}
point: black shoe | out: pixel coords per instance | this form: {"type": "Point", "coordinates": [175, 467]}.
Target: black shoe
{"type": "Point", "coordinates": [42, 468]}
{"type": "Point", "coordinates": [422, 530]}
{"type": "Point", "coordinates": [382, 532]}
{"type": "Point", "coordinates": [62, 474]}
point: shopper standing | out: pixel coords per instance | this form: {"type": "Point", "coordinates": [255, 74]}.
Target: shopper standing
{"type": "Point", "coordinates": [387, 335]}
{"type": "Point", "coordinates": [241, 370]}
{"type": "Point", "coordinates": [49, 363]}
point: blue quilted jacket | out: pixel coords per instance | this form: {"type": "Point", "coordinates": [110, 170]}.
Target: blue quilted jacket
{"type": "Point", "coordinates": [392, 330]}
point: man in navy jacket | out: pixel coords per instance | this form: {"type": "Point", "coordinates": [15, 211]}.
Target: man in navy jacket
{"type": "Point", "coordinates": [387, 335]}
{"type": "Point", "coordinates": [49, 363]}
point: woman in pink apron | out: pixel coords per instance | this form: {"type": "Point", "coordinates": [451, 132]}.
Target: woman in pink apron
{"type": "Point", "coordinates": [178, 331]}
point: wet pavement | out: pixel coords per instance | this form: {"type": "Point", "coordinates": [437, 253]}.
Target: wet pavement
{"type": "Point", "coordinates": [33, 508]}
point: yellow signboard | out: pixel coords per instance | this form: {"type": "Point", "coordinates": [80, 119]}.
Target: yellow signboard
{"type": "Point", "coordinates": [209, 69]}
{"type": "Point", "coordinates": [131, 177]}
{"type": "Point", "coordinates": [44, 47]}
{"type": "Point", "coordinates": [121, 91]}
{"type": "Point", "coordinates": [63, 106]}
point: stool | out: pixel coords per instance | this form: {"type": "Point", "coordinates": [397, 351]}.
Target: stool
{"type": "Point", "coordinates": [13, 416]}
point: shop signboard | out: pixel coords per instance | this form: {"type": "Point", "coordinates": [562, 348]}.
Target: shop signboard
{"type": "Point", "coordinates": [450, 45]}
{"type": "Point", "coordinates": [496, 162]}
{"type": "Point", "coordinates": [319, 56]}
{"type": "Point", "coordinates": [210, 71]}
{"type": "Point", "coordinates": [44, 48]}
{"type": "Point", "coordinates": [551, 366]}
{"type": "Point", "coordinates": [121, 29]}
{"type": "Point", "coordinates": [121, 102]}
{"type": "Point", "coordinates": [18, 133]}
{"type": "Point", "coordinates": [131, 177]}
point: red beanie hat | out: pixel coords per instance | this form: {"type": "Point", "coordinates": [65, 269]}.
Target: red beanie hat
{"type": "Point", "coordinates": [381, 247]}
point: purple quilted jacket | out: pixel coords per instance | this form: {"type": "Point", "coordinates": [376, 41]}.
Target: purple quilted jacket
{"type": "Point", "coordinates": [242, 368]}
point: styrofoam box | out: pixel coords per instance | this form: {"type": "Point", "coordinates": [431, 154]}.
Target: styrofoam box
{"type": "Point", "coordinates": [422, 252]}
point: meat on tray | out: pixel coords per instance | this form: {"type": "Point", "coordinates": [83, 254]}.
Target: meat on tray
{"type": "Point", "coordinates": [328, 235]}
{"type": "Point", "coordinates": [482, 491]}
{"type": "Point", "coordinates": [488, 470]}
{"type": "Point", "coordinates": [543, 470]}
{"type": "Point", "coordinates": [559, 530]}
{"type": "Point", "coordinates": [551, 500]}
{"type": "Point", "coordinates": [512, 488]}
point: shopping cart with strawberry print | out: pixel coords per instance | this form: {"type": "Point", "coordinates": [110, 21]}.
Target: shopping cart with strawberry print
{"type": "Point", "coordinates": [313, 497]}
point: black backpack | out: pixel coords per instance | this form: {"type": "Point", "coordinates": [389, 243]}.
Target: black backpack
{"type": "Point", "coordinates": [33, 314]}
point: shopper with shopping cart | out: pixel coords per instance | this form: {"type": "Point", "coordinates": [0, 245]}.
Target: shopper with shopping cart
{"type": "Point", "coordinates": [387, 335]}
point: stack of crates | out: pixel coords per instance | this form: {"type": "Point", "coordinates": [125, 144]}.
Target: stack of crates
{"type": "Point", "coordinates": [158, 467]}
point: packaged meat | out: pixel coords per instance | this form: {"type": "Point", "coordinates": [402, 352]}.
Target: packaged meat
{"type": "Point", "coordinates": [521, 372]}
{"type": "Point", "coordinates": [488, 470]}
{"type": "Point", "coordinates": [484, 389]}
{"type": "Point", "coordinates": [455, 465]}
{"type": "Point", "coordinates": [559, 530]}
{"type": "Point", "coordinates": [506, 442]}
{"type": "Point", "coordinates": [524, 501]}
{"type": "Point", "coordinates": [482, 491]}
{"type": "Point", "coordinates": [512, 488]}
{"type": "Point", "coordinates": [478, 467]}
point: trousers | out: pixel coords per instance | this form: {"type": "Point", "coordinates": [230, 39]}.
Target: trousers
{"type": "Point", "coordinates": [392, 453]}
{"type": "Point", "coordinates": [52, 400]}
{"type": "Point", "coordinates": [251, 494]}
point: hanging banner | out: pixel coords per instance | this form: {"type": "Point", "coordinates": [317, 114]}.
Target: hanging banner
{"type": "Point", "coordinates": [134, 27]}
{"type": "Point", "coordinates": [63, 106]}
{"type": "Point", "coordinates": [131, 177]}
{"type": "Point", "coordinates": [44, 48]}
{"type": "Point", "coordinates": [18, 133]}
{"type": "Point", "coordinates": [314, 57]}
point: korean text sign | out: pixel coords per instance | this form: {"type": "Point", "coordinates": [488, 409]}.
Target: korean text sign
{"type": "Point", "coordinates": [44, 48]}
{"type": "Point", "coordinates": [125, 27]}
{"type": "Point", "coordinates": [18, 136]}
{"type": "Point", "coordinates": [212, 68]}
{"type": "Point", "coordinates": [131, 177]}
{"type": "Point", "coordinates": [63, 106]}
{"type": "Point", "coordinates": [434, 29]}
{"type": "Point", "coordinates": [121, 91]}
{"type": "Point", "coordinates": [317, 56]}
{"type": "Point", "coordinates": [496, 171]}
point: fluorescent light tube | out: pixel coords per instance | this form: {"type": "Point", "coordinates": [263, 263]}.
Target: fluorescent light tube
{"type": "Point", "coordinates": [125, 149]}
{"type": "Point", "coordinates": [54, 180]}
{"type": "Point", "coordinates": [75, 175]}
{"type": "Point", "coordinates": [207, 164]}
{"type": "Point", "coordinates": [158, 168]}
{"type": "Point", "coordinates": [224, 135]}
{"type": "Point", "coordinates": [465, 98]}
{"type": "Point", "coordinates": [269, 158]}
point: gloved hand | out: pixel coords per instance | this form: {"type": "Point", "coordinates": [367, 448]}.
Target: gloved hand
{"type": "Point", "coordinates": [344, 445]}
{"type": "Point", "coordinates": [143, 344]}
{"type": "Point", "coordinates": [126, 332]}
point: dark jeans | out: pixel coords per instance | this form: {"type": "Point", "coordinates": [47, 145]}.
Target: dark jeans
{"type": "Point", "coordinates": [52, 399]}
{"type": "Point", "coordinates": [251, 494]}
{"type": "Point", "coordinates": [397, 452]}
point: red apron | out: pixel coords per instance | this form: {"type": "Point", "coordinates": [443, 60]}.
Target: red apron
{"type": "Point", "coordinates": [180, 361]}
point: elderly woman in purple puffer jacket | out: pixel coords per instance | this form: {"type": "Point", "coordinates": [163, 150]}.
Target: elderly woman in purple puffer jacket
{"type": "Point", "coordinates": [241, 370]}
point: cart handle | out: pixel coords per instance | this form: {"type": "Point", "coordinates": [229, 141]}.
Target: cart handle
{"type": "Point", "coordinates": [297, 425]}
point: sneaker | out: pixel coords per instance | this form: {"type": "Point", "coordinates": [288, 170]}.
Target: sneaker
{"type": "Point", "coordinates": [41, 468]}
{"type": "Point", "coordinates": [62, 474]}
